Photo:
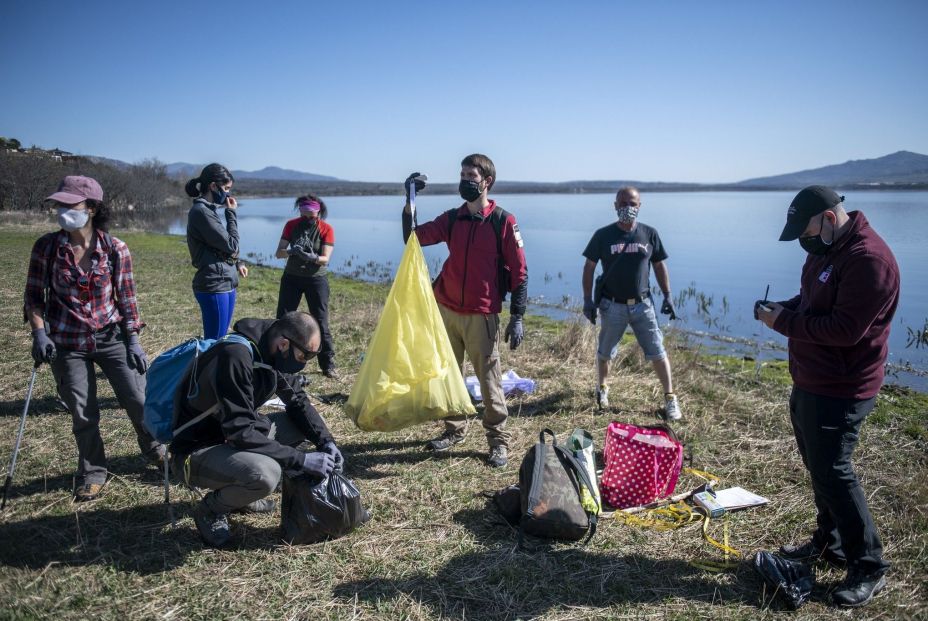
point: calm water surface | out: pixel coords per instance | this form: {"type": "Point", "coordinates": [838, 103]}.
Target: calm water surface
{"type": "Point", "coordinates": [722, 245]}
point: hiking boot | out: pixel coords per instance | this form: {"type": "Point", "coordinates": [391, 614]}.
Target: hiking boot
{"type": "Point", "coordinates": [213, 527]}
{"type": "Point", "coordinates": [602, 397]}
{"type": "Point", "coordinates": [444, 442]}
{"type": "Point", "coordinates": [811, 551]}
{"type": "Point", "coordinates": [88, 491]}
{"type": "Point", "coordinates": [331, 373]}
{"type": "Point", "coordinates": [265, 505]}
{"type": "Point", "coordinates": [498, 457]}
{"type": "Point", "coordinates": [672, 407]}
{"type": "Point", "coordinates": [858, 588]}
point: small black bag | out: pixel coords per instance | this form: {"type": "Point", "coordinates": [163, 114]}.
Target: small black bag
{"type": "Point", "coordinates": [314, 510]}
{"type": "Point", "coordinates": [791, 580]}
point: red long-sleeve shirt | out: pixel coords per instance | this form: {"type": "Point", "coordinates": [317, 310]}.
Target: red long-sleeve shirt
{"type": "Point", "coordinates": [468, 279]}
{"type": "Point", "coordinates": [838, 325]}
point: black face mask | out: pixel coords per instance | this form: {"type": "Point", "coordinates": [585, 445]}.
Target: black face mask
{"type": "Point", "coordinates": [286, 362]}
{"type": "Point", "coordinates": [814, 244]}
{"type": "Point", "coordinates": [219, 198]}
{"type": "Point", "coordinates": [469, 190]}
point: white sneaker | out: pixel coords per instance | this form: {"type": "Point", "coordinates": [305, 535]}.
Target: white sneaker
{"type": "Point", "coordinates": [672, 407]}
{"type": "Point", "coordinates": [602, 397]}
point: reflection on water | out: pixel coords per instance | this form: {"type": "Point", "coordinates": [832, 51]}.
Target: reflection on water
{"type": "Point", "coordinates": [723, 249]}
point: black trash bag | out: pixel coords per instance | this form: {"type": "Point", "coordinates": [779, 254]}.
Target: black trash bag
{"type": "Point", "coordinates": [313, 510]}
{"type": "Point", "coordinates": [791, 580]}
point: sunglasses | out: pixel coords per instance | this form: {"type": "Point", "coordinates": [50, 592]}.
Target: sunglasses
{"type": "Point", "coordinates": [83, 286]}
{"type": "Point", "coordinates": [308, 354]}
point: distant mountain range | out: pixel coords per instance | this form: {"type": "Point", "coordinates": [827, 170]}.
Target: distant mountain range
{"type": "Point", "coordinates": [903, 169]}
{"type": "Point", "coordinates": [270, 173]}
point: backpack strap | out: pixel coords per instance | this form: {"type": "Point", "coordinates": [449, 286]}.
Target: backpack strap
{"type": "Point", "coordinates": [585, 479]}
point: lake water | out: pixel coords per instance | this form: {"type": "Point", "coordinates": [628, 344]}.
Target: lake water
{"type": "Point", "coordinates": [722, 245]}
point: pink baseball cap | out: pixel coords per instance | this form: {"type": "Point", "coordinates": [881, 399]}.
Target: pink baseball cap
{"type": "Point", "coordinates": [75, 189]}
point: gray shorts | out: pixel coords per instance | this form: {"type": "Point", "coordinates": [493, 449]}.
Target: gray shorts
{"type": "Point", "coordinates": [616, 317]}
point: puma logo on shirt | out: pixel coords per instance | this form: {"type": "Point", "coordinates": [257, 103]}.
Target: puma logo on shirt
{"type": "Point", "coordinates": [633, 247]}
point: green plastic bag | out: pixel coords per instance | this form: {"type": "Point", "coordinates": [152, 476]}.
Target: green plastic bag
{"type": "Point", "coordinates": [409, 374]}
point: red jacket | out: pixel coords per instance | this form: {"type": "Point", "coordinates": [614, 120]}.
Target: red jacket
{"type": "Point", "coordinates": [467, 282]}
{"type": "Point", "coordinates": [838, 325]}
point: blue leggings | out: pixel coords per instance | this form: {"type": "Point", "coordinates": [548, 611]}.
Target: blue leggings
{"type": "Point", "coordinates": [217, 309]}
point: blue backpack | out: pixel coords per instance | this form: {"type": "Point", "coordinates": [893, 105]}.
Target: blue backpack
{"type": "Point", "coordinates": [163, 378]}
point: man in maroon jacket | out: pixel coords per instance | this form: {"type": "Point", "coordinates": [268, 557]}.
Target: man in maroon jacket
{"type": "Point", "coordinates": [838, 328]}
{"type": "Point", "coordinates": [482, 239]}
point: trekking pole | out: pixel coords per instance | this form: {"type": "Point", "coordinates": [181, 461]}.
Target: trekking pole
{"type": "Point", "coordinates": [19, 438]}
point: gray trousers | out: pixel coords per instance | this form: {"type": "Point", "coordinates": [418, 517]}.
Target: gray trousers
{"type": "Point", "coordinates": [477, 336]}
{"type": "Point", "coordinates": [239, 477]}
{"type": "Point", "coordinates": [76, 379]}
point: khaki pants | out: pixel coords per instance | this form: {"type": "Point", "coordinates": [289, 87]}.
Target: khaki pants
{"type": "Point", "coordinates": [478, 337]}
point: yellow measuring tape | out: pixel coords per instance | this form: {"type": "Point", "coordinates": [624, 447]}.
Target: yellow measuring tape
{"type": "Point", "coordinates": [679, 514]}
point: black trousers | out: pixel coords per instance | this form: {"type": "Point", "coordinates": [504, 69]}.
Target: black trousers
{"type": "Point", "coordinates": [316, 291]}
{"type": "Point", "coordinates": [827, 430]}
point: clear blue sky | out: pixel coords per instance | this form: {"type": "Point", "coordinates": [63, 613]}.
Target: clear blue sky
{"type": "Point", "coordinates": [552, 91]}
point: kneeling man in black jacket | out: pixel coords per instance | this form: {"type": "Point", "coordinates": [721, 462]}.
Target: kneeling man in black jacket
{"type": "Point", "coordinates": [235, 451]}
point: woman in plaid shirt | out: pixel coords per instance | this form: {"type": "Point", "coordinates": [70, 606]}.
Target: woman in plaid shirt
{"type": "Point", "coordinates": [80, 302]}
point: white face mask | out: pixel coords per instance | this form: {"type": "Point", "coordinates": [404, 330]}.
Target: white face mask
{"type": "Point", "coordinates": [72, 219]}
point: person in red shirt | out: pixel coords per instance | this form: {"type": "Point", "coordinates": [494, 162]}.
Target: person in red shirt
{"type": "Point", "coordinates": [838, 328]}
{"type": "Point", "coordinates": [80, 301]}
{"type": "Point", "coordinates": [307, 243]}
{"type": "Point", "coordinates": [470, 290]}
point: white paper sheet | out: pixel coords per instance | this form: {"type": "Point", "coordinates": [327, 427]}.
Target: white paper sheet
{"type": "Point", "coordinates": [738, 498]}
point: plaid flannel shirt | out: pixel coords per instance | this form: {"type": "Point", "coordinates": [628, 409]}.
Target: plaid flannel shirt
{"type": "Point", "coordinates": [81, 303]}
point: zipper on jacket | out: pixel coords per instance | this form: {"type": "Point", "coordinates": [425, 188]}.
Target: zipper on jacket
{"type": "Point", "coordinates": [470, 240]}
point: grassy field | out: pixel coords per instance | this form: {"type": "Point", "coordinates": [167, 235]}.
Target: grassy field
{"type": "Point", "coordinates": [433, 549]}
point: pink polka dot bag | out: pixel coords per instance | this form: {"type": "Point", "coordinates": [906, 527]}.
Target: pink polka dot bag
{"type": "Point", "coordinates": [642, 464]}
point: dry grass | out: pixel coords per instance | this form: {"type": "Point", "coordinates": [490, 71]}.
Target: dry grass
{"type": "Point", "coordinates": [432, 550]}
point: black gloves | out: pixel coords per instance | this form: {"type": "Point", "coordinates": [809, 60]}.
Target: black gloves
{"type": "Point", "coordinates": [589, 310]}
{"type": "Point", "coordinates": [43, 348]}
{"type": "Point", "coordinates": [514, 332]}
{"type": "Point", "coordinates": [667, 308]}
{"type": "Point", "coordinates": [420, 184]}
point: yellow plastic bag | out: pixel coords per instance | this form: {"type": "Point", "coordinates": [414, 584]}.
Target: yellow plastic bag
{"type": "Point", "coordinates": [409, 374]}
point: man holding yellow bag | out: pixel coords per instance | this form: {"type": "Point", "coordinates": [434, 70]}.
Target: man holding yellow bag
{"type": "Point", "coordinates": [485, 262]}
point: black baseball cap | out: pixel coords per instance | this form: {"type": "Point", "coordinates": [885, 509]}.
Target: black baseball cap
{"type": "Point", "coordinates": [810, 201]}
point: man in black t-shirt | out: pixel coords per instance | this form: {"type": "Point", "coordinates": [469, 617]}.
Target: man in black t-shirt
{"type": "Point", "coordinates": [627, 249]}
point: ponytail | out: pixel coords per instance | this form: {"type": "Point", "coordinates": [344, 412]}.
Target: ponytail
{"type": "Point", "coordinates": [193, 187]}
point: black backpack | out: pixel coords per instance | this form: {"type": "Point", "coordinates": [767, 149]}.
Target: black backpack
{"type": "Point", "coordinates": [549, 483]}
{"type": "Point", "coordinates": [497, 218]}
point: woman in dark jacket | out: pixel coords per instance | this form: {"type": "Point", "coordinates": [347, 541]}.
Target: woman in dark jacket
{"type": "Point", "coordinates": [214, 248]}
{"type": "Point", "coordinates": [307, 243]}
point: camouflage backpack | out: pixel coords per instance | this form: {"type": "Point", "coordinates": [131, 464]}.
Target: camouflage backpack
{"type": "Point", "coordinates": [550, 483]}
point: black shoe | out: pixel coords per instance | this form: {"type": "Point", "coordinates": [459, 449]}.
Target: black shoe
{"type": "Point", "coordinates": [811, 552]}
{"type": "Point", "coordinates": [213, 527]}
{"type": "Point", "coordinates": [331, 373]}
{"type": "Point", "coordinates": [156, 455]}
{"type": "Point", "coordinates": [498, 457]}
{"type": "Point", "coordinates": [444, 442]}
{"type": "Point", "coordinates": [265, 505]}
{"type": "Point", "coordinates": [858, 589]}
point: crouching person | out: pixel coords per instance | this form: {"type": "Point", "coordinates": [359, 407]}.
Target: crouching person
{"type": "Point", "coordinates": [237, 452]}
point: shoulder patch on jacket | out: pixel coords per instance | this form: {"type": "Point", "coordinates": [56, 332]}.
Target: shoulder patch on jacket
{"type": "Point", "coordinates": [517, 234]}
